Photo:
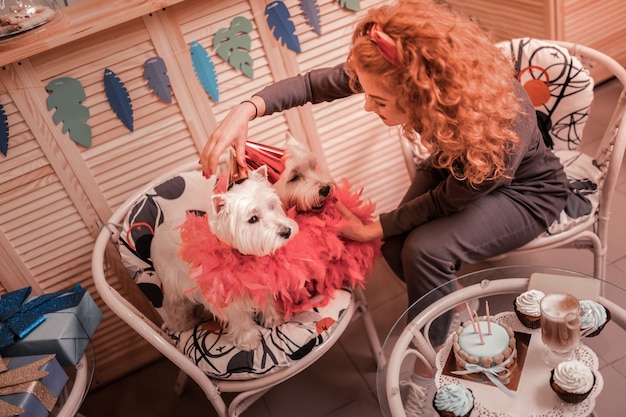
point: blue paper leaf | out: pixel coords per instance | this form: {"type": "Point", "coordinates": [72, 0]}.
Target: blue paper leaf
{"type": "Point", "coordinates": [118, 97]}
{"type": "Point", "coordinates": [354, 5]}
{"type": "Point", "coordinates": [234, 43]}
{"type": "Point", "coordinates": [4, 132]}
{"type": "Point", "coordinates": [283, 29]}
{"type": "Point", "coordinates": [205, 70]}
{"type": "Point", "coordinates": [155, 72]}
{"type": "Point", "coordinates": [66, 95]}
{"type": "Point", "coordinates": [311, 13]}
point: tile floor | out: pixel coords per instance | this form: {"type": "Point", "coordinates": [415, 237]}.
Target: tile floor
{"type": "Point", "coordinates": [343, 382]}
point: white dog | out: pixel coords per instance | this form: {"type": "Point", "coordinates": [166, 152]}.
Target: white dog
{"type": "Point", "coordinates": [302, 185]}
{"type": "Point", "coordinates": [248, 217]}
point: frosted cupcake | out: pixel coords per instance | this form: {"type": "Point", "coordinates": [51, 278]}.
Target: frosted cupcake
{"type": "Point", "coordinates": [595, 316]}
{"type": "Point", "coordinates": [526, 307]}
{"type": "Point", "coordinates": [572, 381]}
{"type": "Point", "coordinates": [453, 400]}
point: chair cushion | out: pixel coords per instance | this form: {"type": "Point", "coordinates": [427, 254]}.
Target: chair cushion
{"type": "Point", "coordinates": [560, 88]}
{"type": "Point", "coordinates": [205, 345]}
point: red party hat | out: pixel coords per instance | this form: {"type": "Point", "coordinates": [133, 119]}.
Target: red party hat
{"type": "Point", "coordinates": [258, 154]}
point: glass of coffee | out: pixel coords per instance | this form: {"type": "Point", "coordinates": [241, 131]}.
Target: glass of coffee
{"type": "Point", "coordinates": [560, 327]}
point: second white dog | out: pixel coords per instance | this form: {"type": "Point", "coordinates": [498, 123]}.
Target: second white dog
{"type": "Point", "coordinates": [248, 217]}
{"type": "Point", "coordinates": [302, 184]}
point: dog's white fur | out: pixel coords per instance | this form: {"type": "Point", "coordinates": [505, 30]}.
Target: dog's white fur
{"type": "Point", "coordinates": [248, 217]}
{"type": "Point", "coordinates": [302, 184]}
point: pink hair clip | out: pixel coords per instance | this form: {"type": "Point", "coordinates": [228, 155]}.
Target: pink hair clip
{"type": "Point", "coordinates": [386, 45]}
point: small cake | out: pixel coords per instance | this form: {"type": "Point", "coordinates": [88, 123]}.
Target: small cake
{"type": "Point", "coordinates": [498, 348]}
{"type": "Point", "coordinates": [595, 316]}
{"type": "Point", "coordinates": [453, 400]}
{"type": "Point", "coordinates": [572, 381]}
{"type": "Point", "coordinates": [526, 307]}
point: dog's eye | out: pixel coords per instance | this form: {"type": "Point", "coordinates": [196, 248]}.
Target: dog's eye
{"type": "Point", "coordinates": [295, 177]}
{"type": "Point", "coordinates": [253, 219]}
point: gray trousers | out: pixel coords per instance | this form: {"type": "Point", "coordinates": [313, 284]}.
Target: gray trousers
{"type": "Point", "coordinates": [432, 253]}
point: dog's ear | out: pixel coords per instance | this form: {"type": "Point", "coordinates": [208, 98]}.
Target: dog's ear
{"type": "Point", "coordinates": [219, 202]}
{"type": "Point", "coordinates": [260, 174]}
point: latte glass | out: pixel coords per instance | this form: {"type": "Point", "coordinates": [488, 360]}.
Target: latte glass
{"type": "Point", "coordinates": [560, 327]}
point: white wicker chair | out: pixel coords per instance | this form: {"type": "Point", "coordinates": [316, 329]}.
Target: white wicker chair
{"type": "Point", "coordinates": [591, 231]}
{"type": "Point", "coordinates": [248, 390]}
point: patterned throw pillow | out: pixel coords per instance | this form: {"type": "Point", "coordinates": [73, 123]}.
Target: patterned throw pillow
{"type": "Point", "coordinates": [560, 88]}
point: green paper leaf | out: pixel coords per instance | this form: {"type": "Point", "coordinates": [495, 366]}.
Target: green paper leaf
{"type": "Point", "coordinates": [233, 45]}
{"type": "Point", "coordinates": [354, 5]}
{"type": "Point", "coordinates": [66, 95]}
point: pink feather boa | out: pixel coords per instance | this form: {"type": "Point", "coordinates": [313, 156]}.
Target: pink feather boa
{"type": "Point", "coordinates": [302, 274]}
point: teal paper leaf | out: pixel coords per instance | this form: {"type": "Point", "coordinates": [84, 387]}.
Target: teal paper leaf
{"type": "Point", "coordinates": [205, 70]}
{"type": "Point", "coordinates": [283, 29]}
{"type": "Point", "coordinates": [311, 13]}
{"type": "Point", "coordinates": [66, 95]}
{"type": "Point", "coordinates": [354, 5]}
{"type": "Point", "coordinates": [155, 72]}
{"type": "Point", "coordinates": [4, 132]}
{"type": "Point", "coordinates": [118, 97]}
{"type": "Point", "coordinates": [233, 45]}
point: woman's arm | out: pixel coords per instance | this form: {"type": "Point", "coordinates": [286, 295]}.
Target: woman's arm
{"type": "Point", "coordinates": [313, 87]}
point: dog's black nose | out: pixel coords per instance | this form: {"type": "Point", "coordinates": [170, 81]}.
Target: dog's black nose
{"type": "Point", "coordinates": [325, 190]}
{"type": "Point", "coordinates": [285, 233]}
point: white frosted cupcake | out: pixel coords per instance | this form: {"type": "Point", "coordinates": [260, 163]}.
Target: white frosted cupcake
{"type": "Point", "coordinates": [572, 381]}
{"type": "Point", "coordinates": [453, 400]}
{"type": "Point", "coordinates": [526, 307]}
{"type": "Point", "coordinates": [595, 316]}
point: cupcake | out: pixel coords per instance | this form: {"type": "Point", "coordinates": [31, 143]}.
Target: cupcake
{"type": "Point", "coordinates": [453, 400]}
{"type": "Point", "coordinates": [572, 381]}
{"type": "Point", "coordinates": [526, 307]}
{"type": "Point", "coordinates": [595, 316]}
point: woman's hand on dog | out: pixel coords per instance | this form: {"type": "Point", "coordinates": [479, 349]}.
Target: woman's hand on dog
{"type": "Point", "coordinates": [355, 229]}
{"type": "Point", "coordinates": [233, 130]}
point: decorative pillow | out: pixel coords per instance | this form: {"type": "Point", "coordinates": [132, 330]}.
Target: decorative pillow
{"type": "Point", "coordinates": [560, 88]}
{"type": "Point", "coordinates": [205, 345]}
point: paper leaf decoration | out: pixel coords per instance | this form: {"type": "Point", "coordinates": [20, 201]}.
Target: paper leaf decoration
{"type": "Point", "coordinates": [233, 45]}
{"type": "Point", "coordinates": [118, 97]}
{"type": "Point", "coordinates": [205, 70]}
{"type": "Point", "coordinates": [4, 131]}
{"type": "Point", "coordinates": [155, 72]}
{"type": "Point", "coordinates": [354, 5]}
{"type": "Point", "coordinates": [283, 29]}
{"type": "Point", "coordinates": [311, 13]}
{"type": "Point", "coordinates": [66, 95]}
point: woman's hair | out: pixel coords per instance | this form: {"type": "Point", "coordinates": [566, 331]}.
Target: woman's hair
{"type": "Point", "coordinates": [453, 83]}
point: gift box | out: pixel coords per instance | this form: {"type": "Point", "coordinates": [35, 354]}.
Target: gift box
{"type": "Point", "coordinates": [65, 332]}
{"type": "Point", "coordinates": [30, 385]}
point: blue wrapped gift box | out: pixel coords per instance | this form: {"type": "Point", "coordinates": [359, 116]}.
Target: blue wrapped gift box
{"type": "Point", "coordinates": [65, 333]}
{"type": "Point", "coordinates": [28, 392]}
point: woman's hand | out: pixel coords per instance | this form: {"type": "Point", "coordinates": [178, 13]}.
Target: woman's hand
{"type": "Point", "coordinates": [233, 130]}
{"type": "Point", "coordinates": [355, 229]}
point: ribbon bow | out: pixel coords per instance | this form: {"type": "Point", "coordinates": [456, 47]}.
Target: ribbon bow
{"type": "Point", "coordinates": [492, 374]}
{"type": "Point", "coordinates": [25, 379]}
{"type": "Point", "coordinates": [19, 319]}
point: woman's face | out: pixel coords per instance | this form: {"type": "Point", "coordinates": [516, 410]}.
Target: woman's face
{"type": "Point", "coordinates": [380, 101]}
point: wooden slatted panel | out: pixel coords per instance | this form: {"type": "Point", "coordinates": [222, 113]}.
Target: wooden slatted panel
{"type": "Point", "coordinates": [198, 22]}
{"type": "Point", "coordinates": [120, 162]}
{"type": "Point", "coordinates": [585, 17]}
{"type": "Point", "coordinates": [506, 20]}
